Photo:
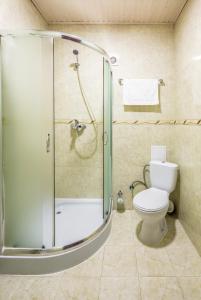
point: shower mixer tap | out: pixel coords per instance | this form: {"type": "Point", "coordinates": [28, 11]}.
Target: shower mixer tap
{"type": "Point", "coordinates": [75, 66]}
{"type": "Point", "coordinates": [76, 125]}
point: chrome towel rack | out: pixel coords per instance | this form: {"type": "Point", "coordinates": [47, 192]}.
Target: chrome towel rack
{"type": "Point", "coordinates": [121, 81]}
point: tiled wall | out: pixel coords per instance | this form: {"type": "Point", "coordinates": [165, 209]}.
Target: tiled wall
{"type": "Point", "coordinates": [79, 159]}
{"type": "Point", "coordinates": [188, 105]}
{"type": "Point", "coordinates": [145, 52]}
{"type": "Point", "coordinates": [20, 14]}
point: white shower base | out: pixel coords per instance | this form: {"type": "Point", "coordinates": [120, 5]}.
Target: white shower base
{"type": "Point", "coordinates": [76, 219]}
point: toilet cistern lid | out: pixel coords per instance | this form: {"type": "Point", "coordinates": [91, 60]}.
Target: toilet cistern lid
{"type": "Point", "coordinates": [151, 200]}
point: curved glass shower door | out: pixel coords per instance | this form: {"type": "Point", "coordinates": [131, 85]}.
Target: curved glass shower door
{"type": "Point", "coordinates": [27, 94]}
{"type": "Point", "coordinates": [57, 141]}
{"type": "Point", "coordinates": [82, 126]}
{"type": "Point", "coordinates": [107, 85]}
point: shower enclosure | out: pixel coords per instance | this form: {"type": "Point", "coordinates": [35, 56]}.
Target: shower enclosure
{"type": "Point", "coordinates": [56, 150]}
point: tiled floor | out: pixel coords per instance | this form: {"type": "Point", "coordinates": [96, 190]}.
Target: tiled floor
{"type": "Point", "coordinates": [123, 269]}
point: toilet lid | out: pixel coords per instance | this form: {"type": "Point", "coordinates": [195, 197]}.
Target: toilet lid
{"type": "Point", "coordinates": [151, 200]}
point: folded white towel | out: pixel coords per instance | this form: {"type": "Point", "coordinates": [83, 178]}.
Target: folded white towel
{"type": "Point", "coordinates": [140, 91]}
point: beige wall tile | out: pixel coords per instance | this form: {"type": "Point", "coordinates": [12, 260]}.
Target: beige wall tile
{"type": "Point", "coordinates": [79, 182]}
{"type": "Point", "coordinates": [188, 156]}
{"type": "Point", "coordinates": [188, 105]}
{"type": "Point", "coordinates": [188, 62]}
{"type": "Point", "coordinates": [20, 14]}
{"type": "Point", "coordinates": [79, 159]}
{"type": "Point", "coordinates": [132, 150]}
{"type": "Point", "coordinates": [151, 46]}
{"type": "Point", "coordinates": [141, 49]}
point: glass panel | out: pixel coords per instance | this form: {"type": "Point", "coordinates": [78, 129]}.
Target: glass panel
{"type": "Point", "coordinates": [1, 177]}
{"type": "Point", "coordinates": [107, 137]}
{"type": "Point", "coordinates": [78, 150]}
{"type": "Point", "coordinates": [27, 84]}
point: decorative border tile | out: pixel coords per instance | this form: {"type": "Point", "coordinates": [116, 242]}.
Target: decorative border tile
{"type": "Point", "coordinates": [189, 122]}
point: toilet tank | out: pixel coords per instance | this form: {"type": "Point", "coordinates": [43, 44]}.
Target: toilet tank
{"type": "Point", "coordinates": [163, 175]}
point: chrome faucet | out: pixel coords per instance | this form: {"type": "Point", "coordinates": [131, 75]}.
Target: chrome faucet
{"type": "Point", "coordinates": [76, 125]}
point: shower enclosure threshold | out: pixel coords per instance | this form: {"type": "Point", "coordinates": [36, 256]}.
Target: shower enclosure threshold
{"type": "Point", "coordinates": [33, 262]}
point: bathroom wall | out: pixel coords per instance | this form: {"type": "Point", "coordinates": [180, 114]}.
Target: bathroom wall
{"type": "Point", "coordinates": [187, 139]}
{"type": "Point", "coordinates": [78, 158]}
{"type": "Point", "coordinates": [145, 51]}
{"type": "Point", "coordinates": [20, 14]}
{"type": "Point", "coordinates": [15, 15]}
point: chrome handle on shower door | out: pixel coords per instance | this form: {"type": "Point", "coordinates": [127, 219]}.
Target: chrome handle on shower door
{"type": "Point", "coordinates": [105, 137]}
{"type": "Point", "coordinates": [48, 143]}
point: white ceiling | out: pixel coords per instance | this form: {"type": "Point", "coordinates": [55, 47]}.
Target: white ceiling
{"type": "Point", "coordinates": [110, 11]}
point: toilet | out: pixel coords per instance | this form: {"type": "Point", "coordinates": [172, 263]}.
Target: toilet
{"type": "Point", "coordinates": [152, 204]}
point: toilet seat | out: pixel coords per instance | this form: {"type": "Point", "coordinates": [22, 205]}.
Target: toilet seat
{"type": "Point", "coordinates": [151, 200]}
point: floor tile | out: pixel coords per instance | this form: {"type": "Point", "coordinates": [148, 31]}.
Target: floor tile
{"type": "Point", "coordinates": [119, 219]}
{"type": "Point", "coordinates": [119, 235]}
{"type": "Point", "coordinates": [119, 261]}
{"type": "Point", "coordinates": [160, 288]}
{"type": "Point", "coordinates": [78, 288]}
{"type": "Point", "coordinates": [11, 286]}
{"type": "Point", "coordinates": [135, 233]}
{"type": "Point", "coordinates": [115, 288]}
{"type": "Point", "coordinates": [185, 260]}
{"type": "Point", "coordinates": [153, 262]}
{"type": "Point", "coordinates": [174, 238]}
{"type": "Point", "coordinates": [43, 288]}
{"type": "Point", "coordinates": [135, 218]}
{"type": "Point", "coordinates": [170, 271]}
{"type": "Point", "coordinates": [121, 232]}
{"type": "Point", "coordinates": [176, 235]}
{"type": "Point", "coordinates": [191, 287]}
{"type": "Point", "coordinates": [28, 287]}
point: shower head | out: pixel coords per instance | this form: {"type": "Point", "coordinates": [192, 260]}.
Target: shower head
{"type": "Point", "coordinates": [75, 52]}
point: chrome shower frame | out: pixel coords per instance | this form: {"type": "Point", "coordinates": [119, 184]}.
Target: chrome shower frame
{"type": "Point", "coordinates": [45, 261]}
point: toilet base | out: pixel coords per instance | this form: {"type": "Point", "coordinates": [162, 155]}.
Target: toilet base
{"type": "Point", "coordinates": [151, 233]}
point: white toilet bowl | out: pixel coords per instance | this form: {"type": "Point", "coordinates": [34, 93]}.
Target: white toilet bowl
{"type": "Point", "coordinates": [152, 206]}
